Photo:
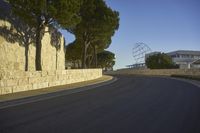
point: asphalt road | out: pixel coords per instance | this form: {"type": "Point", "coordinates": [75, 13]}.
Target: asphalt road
{"type": "Point", "coordinates": [129, 105]}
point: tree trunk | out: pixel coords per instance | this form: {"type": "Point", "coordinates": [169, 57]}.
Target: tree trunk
{"type": "Point", "coordinates": [84, 57]}
{"type": "Point", "coordinates": [95, 56]}
{"type": "Point", "coordinates": [56, 59]}
{"type": "Point", "coordinates": [78, 62]}
{"type": "Point", "coordinates": [26, 56]}
{"type": "Point", "coordinates": [91, 61]}
{"type": "Point", "coordinates": [38, 46]}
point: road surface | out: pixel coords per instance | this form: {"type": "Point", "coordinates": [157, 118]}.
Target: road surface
{"type": "Point", "coordinates": [129, 105]}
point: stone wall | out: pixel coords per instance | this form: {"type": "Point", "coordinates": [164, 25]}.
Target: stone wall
{"type": "Point", "coordinates": [13, 54]}
{"type": "Point", "coordinates": [17, 81]}
{"type": "Point", "coordinates": [17, 49]}
{"type": "Point", "coordinates": [158, 72]}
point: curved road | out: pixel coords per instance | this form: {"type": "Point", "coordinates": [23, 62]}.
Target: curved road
{"type": "Point", "coordinates": [129, 105]}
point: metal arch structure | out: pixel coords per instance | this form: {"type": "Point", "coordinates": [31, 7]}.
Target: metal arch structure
{"type": "Point", "coordinates": [139, 51]}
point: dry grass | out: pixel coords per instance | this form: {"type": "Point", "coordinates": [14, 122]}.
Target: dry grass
{"type": "Point", "coordinates": [192, 77]}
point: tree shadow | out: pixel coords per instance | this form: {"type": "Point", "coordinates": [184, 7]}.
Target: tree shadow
{"type": "Point", "coordinates": [55, 37]}
{"type": "Point", "coordinates": [56, 41]}
{"type": "Point", "coordinates": [17, 31]}
{"type": "Point", "coordinates": [22, 33]}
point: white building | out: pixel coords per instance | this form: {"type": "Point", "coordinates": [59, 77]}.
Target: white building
{"type": "Point", "coordinates": [186, 59]}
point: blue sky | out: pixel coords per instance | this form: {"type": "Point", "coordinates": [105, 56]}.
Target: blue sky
{"type": "Point", "coordinates": [165, 25]}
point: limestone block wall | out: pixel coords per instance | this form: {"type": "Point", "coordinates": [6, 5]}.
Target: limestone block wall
{"type": "Point", "coordinates": [17, 81]}
{"type": "Point", "coordinates": [158, 72]}
{"type": "Point", "coordinates": [52, 58]}
{"type": "Point", "coordinates": [11, 56]}
{"type": "Point", "coordinates": [12, 53]}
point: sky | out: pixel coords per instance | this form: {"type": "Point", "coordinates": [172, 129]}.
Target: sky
{"type": "Point", "coordinates": [164, 25]}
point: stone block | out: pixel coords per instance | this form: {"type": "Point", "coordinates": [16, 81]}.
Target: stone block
{"type": "Point", "coordinates": [21, 88]}
{"type": "Point", "coordinates": [51, 84]}
{"type": "Point", "coordinates": [35, 74]}
{"type": "Point", "coordinates": [44, 79]}
{"type": "Point", "coordinates": [16, 89]}
{"type": "Point", "coordinates": [62, 82]}
{"type": "Point", "coordinates": [51, 73]}
{"type": "Point", "coordinates": [60, 77]}
{"type": "Point", "coordinates": [35, 86]}
{"type": "Point", "coordinates": [52, 78]}
{"type": "Point", "coordinates": [18, 74]}
{"type": "Point", "coordinates": [2, 83]}
{"type": "Point", "coordinates": [6, 90]}
{"type": "Point", "coordinates": [64, 72]}
{"type": "Point", "coordinates": [55, 83]}
{"type": "Point", "coordinates": [1, 75]}
{"type": "Point", "coordinates": [23, 81]}
{"type": "Point", "coordinates": [12, 82]}
{"type": "Point", "coordinates": [44, 73]}
{"type": "Point", "coordinates": [28, 74]}
{"type": "Point", "coordinates": [40, 85]}
{"type": "Point", "coordinates": [58, 72]}
{"type": "Point", "coordinates": [43, 85]}
{"type": "Point", "coordinates": [32, 80]}
{"type": "Point", "coordinates": [7, 75]}
{"type": "Point", "coordinates": [37, 80]}
{"type": "Point", "coordinates": [38, 74]}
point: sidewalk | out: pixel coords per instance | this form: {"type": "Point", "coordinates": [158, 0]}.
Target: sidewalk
{"type": "Point", "coordinates": [25, 94]}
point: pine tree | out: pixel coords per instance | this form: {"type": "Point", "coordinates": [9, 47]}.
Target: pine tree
{"type": "Point", "coordinates": [43, 13]}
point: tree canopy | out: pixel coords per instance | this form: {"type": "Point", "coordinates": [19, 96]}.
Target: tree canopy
{"type": "Point", "coordinates": [91, 21]}
{"type": "Point", "coordinates": [73, 54]}
{"type": "Point", "coordinates": [106, 60]}
{"type": "Point", "coordinates": [97, 26]}
{"type": "Point", "coordinates": [43, 13]}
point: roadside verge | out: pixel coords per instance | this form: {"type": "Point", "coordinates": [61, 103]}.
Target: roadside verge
{"type": "Point", "coordinates": [191, 81]}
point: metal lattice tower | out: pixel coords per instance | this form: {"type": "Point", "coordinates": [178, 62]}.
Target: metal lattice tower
{"type": "Point", "coordinates": [139, 51]}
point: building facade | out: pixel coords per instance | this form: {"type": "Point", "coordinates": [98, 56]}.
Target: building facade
{"type": "Point", "coordinates": [186, 59]}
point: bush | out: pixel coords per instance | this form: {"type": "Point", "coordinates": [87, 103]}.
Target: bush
{"type": "Point", "coordinates": [160, 61]}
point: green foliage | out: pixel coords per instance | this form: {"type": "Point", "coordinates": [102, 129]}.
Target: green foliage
{"type": "Point", "coordinates": [73, 51]}
{"type": "Point", "coordinates": [73, 55]}
{"type": "Point", "coordinates": [160, 61]}
{"type": "Point", "coordinates": [106, 59]}
{"type": "Point", "coordinates": [47, 12]}
{"type": "Point", "coordinates": [42, 13]}
{"type": "Point", "coordinates": [97, 26]}
{"type": "Point", "coordinates": [91, 21]}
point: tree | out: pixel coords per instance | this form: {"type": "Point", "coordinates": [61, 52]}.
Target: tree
{"type": "Point", "coordinates": [109, 26]}
{"type": "Point", "coordinates": [160, 61]}
{"type": "Point", "coordinates": [73, 53]}
{"type": "Point", "coordinates": [106, 60]}
{"type": "Point", "coordinates": [43, 13]}
{"type": "Point", "coordinates": [98, 22]}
